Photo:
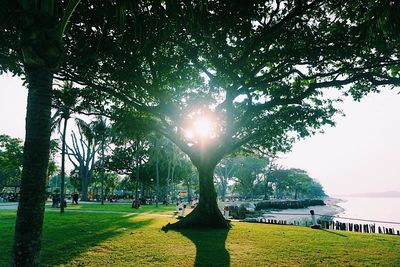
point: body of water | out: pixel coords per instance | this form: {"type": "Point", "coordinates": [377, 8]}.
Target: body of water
{"type": "Point", "coordinates": [378, 211]}
{"type": "Point", "coordinates": [374, 209]}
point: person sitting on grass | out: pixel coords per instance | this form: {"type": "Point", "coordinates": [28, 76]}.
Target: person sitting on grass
{"type": "Point", "coordinates": [177, 208]}
{"type": "Point", "coordinates": [183, 214]}
{"type": "Point", "coordinates": [135, 204]}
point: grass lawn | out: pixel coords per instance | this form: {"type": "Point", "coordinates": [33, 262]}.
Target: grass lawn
{"type": "Point", "coordinates": [106, 239]}
{"type": "Point", "coordinates": [121, 207]}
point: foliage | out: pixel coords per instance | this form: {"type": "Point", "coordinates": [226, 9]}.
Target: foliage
{"type": "Point", "coordinates": [265, 90]}
{"type": "Point", "coordinates": [11, 151]}
{"type": "Point", "coordinates": [173, 167]}
{"type": "Point", "coordinates": [250, 176]}
{"type": "Point", "coordinates": [249, 172]}
{"type": "Point", "coordinates": [294, 183]}
{"type": "Point", "coordinates": [111, 181]}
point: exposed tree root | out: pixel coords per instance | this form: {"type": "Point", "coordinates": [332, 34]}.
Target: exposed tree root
{"type": "Point", "coordinates": [200, 217]}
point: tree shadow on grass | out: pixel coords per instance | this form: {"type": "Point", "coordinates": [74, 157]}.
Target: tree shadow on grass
{"type": "Point", "coordinates": [67, 236]}
{"type": "Point", "coordinates": [210, 246]}
{"type": "Point", "coordinates": [333, 233]}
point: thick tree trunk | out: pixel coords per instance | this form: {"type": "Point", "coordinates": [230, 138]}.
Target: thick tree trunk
{"type": "Point", "coordinates": [85, 189]}
{"type": "Point", "coordinates": [207, 213]}
{"type": "Point", "coordinates": [28, 228]}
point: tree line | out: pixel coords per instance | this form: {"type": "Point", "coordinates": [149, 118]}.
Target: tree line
{"type": "Point", "coordinates": [154, 167]}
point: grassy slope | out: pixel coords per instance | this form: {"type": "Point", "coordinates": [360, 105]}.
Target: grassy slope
{"type": "Point", "coordinates": [92, 239]}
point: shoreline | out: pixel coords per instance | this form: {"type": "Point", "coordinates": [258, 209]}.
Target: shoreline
{"type": "Point", "coordinates": [302, 216]}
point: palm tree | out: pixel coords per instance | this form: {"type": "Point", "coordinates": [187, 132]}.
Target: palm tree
{"type": "Point", "coordinates": [101, 132]}
{"type": "Point", "coordinates": [37, 29]}
{"type": "Point", "coordinates": [65, 101]}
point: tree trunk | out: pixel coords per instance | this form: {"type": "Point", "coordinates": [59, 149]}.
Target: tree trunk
{"type": "Point", "coordinates": [85, 188]}
{"type": "Point", "coordinates": [62, 196]}
{"type": "Point", "coordinates": [137, 171]}
{"type": "Point", "coordinates": [173, 183]}
{"type": "Point", "coordinates": [189, 189]}
{"type": "Point", "coordinates": [28, 228]}
{"type": "Point", "coordinates": [207, 213]}
{"type": "Point", "coordinates": [168, 182]}
{"type": "Point", "coordinates": [102, 171]}
{"type": "Point", "coordinates": [157, 180]}
{"type": "Point", "coordinates": [266, 188]}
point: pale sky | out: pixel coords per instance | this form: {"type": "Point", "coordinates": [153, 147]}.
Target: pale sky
{"type": "Point", "coordinates": [360, 154]}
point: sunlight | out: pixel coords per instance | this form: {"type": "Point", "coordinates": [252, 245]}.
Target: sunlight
{"type": "Point", "coordinates": [200, 128]}
{"type": "Point", "coordinates": [203, 127]}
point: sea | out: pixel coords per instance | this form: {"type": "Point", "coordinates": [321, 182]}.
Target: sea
{"type": "Point", "coordinates": [379, 210]}
{"type": "Point", "coordinates": [384, 212]}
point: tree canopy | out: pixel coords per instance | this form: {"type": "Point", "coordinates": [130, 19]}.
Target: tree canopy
{"type": "Point", "coordinates": [261, 70]}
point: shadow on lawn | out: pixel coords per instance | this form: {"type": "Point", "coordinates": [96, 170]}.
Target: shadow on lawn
{"type": "Point", "coordinates": [210, 246]}
{"type": "Point", "coordinates": [66, 238]}
{"type": "Point", "coordinates": [333, 233]}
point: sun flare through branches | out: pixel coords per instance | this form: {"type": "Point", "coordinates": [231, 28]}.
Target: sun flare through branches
{"type": "Point", "coordinates": [200, 128]}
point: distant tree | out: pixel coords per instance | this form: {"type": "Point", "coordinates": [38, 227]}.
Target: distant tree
{"type": "Point", "coordinates": [128, 158]}
{"type": "Point", "coordinates": [190, 181]}
{"type": "Point", "coordinates": [65, 102]}
{"type": "Point", "coordinates": [11, 153]}
{"type": "Point", "coordinates": [54, 149]}
{"type": "Point", "coordinates": [103, 136]}
{"type": "Point", "coordinates": [223, 173]}
{"type": "Point", "coordinates": [108, 181]}
{"type": "Point", "coordinates": [248, 173]}
{"type": "Point", "coordinates": [82, 153]}
{"type": "Point", "coordinates": [155, 152]}
{"type": "Point", "coordinates": [295, 183]}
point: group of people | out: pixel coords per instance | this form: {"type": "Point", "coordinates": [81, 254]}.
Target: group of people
{"type": "Point", "coordinates": [9, 197]}
{"type": "Point", "coordinates": [56, 200]}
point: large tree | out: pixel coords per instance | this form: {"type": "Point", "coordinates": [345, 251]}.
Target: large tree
{"type": "Point", "coordinates": [259, 69]}
{"type": "Point", "coordinates": [84, 149]}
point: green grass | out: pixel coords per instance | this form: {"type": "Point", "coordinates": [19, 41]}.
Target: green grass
{"type": "Point", "coordinates": [121, 207]}
{"type": "Point", "coordinates": [98, 239]}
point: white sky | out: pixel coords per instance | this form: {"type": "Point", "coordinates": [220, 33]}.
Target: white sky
{"type": "Point", "coordinates": [360, 154]}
